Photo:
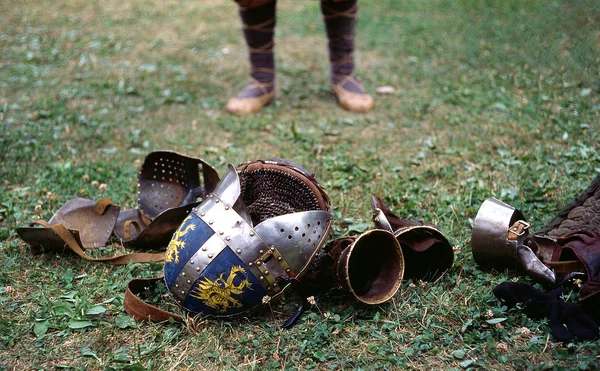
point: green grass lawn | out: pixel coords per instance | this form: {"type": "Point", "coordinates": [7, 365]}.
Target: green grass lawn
{"type": "Point", "coordinates": [493, 98]}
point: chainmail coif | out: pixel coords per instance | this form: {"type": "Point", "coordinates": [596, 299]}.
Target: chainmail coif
{"type": "Point", "coordinates": [272, 192]}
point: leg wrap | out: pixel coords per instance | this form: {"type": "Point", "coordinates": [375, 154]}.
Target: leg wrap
{"type": "Point", "coordinates": [340, 25]}
{"type": "Point", "coordinates": [251, 3]}
{"type": "Point", "coordinates": [258, 25]}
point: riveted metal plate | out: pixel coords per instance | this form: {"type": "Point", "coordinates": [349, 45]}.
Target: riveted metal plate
{"type": "Point", "coordinates": [235, 232]}
{"type": "Point", "coordinates": [228, 190]}
{"type": "Point", "coordinates": [297, 236]}
{"type": "Point", "coordinates": [194, 267]}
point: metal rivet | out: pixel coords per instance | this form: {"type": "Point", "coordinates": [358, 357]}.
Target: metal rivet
{"type": "Point", "coordinates": [262, 278]}
{"type": "Point", "coordinates": [221, 233]}
{"type": "Point", "coordinates": [239, 251]}
{"type": "Point", "coordinates": [251, 233]}
{"type": "Point", "coordinates": [197, 269]}
{"type": "Point", "coordinates": [226, 207]}
{"type": "Point", "coordinates": [210, 195]}
{"type": "Point", "coordinates": [182, 292]}
{"type": "Point", "coordinates": [202, 214]}
{"type": "Point", "coordinates": [228, 238]}
{"type": "Point", "coordinates": [266, 272]}
{"type": "Point", "coordinates": [250, 264]}
{"type": "Point", "coordinates": [210, 256]}
{"type": "Point", "coordinates": [191, 262]}
{"type": "Point", "coordinates": [176, 285]}
{"type": "Point", "coordinates": [272, 248]}
{"type": "Point", "coordinates": [188, 281]}
{"type": "Point", "coordinates": [279, 258]}
{"type": "Point", "coordinates": [261, 251]}
{"type": "Point", "coordinates": [204, 249]}
{"type": "Point", "coordinates": [183, 273]}
{"type": "Point", "coordinates": [258, 263]}
{"type": "Point", "coordinates": [217, 201]}
{"type": "Point", "coordinates": [210, 222]}
{"type": "Point", "coordinates": [288, 270]}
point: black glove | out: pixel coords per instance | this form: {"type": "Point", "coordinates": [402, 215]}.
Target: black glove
{"type": "Point", "coordinates": [566, 320]}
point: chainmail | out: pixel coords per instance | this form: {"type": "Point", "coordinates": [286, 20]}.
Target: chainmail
{"type": "Point", "coordinates": [269, 193]}
{"type": "Point", "coordinates": [582, 213]}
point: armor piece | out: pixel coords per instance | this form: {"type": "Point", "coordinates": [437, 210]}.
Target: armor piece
{"type": "Point", "coordinates": [581, 214]}
{"type": "Point", "coordinates": [370, 267]}
{"type": "Point", "coordinates": [236, 251]}
{"type": "Point", "coordinates": [427, 252]}
{"type": "Point", "coordinates": [500, 240]}
{"type": "Point", "coordinates": [90, 222]}
{"type": "Point", "coordinates": [168, 188]}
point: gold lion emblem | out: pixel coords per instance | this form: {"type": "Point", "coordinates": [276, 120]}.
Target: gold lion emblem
{"type": "Point", "coordinates": [176, 244]}
{"type": "Point", "coordinates": [218, 294]}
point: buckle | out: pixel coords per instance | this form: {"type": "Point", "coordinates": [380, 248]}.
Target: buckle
{"type": "Point", "coordinates": [519, 228]}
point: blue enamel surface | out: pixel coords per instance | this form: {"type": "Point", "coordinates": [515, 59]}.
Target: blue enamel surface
{"type": "Point", "coordinates": [217, 273]}
{"type": "Point", "coordinates": [192, 241]}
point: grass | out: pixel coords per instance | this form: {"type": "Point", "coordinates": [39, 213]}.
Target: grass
{"type": "Point", "coordinates": [493, 98]}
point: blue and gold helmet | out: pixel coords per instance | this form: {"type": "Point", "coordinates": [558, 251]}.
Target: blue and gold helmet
{"type": "Point", "coordinates": [236, 251]}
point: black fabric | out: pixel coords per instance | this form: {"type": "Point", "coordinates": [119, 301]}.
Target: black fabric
{"type": "Point", "coordinates": [567, 321]}
{"type": "Point", "coordinates": [592, 303]}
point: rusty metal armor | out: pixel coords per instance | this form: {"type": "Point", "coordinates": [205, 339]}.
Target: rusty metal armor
{"type": "Point", "coordinates": [169, 186]}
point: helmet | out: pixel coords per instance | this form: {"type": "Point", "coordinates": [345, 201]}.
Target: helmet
{"type": "Point", "coordinates": [264, 224]}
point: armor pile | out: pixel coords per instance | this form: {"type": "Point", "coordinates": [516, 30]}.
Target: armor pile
{"type": "Point", "coordinates": [236, 244]}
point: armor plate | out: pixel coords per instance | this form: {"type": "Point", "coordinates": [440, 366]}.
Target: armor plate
{"type": "Point", "coordinates": [501, 240]}
{"type": "Point", "coordinates": [219, 264]}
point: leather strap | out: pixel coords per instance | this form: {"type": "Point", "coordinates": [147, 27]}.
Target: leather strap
{"type": "Point", "coordinates": [136, 307]}
{"type": "Point", "coordinates": [40, 222]}
{"type": "Point", "coordinates": [517, 229]}
{"type": "Point", "coordinates": [101, 205]}
{"type": "Point", "coordinates": [334, 13]}
{"type": "Point", "coordinates": [139, 309]}
{"type": "Point", "coordinates": [568, 266]}
{"type": "Point", "coordinates": [127, 229]}
{"type": "Point", "coordinates": [72, 243]}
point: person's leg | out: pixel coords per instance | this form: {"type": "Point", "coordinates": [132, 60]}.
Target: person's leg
{"type": "Point", "coordinates": [340, 25]}
{"type": "Point", "coordinates": [258, 24]}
